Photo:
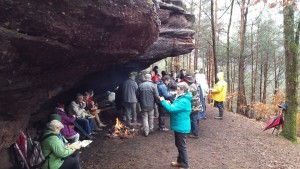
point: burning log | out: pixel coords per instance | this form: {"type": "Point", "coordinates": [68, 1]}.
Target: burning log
{"type": "Point", "coordinates": [119, 130]}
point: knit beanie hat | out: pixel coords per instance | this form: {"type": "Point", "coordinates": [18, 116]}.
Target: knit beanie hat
{"type": "Point", "coordinates": [54, 117]}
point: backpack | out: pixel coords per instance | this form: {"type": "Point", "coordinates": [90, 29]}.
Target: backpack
{"type": "Point", "coordinates": [36, 158]}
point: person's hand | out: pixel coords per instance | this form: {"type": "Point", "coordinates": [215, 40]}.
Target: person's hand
{"type": "Point", "coordinates": [173, 92]}
{"type": "Point", "coordinates": [90, 116]}
{"type": "Point", "coordinates": [161, 98]}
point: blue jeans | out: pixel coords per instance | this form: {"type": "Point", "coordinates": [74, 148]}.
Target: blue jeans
{"type": "Point", "coordinates": [162, 116]}
{"type": "Point", "coordinates": [194, 124]}
{"type": "Point", "coordinates": [81, 130]}
{"type": "Point", "coordinates": [180, 142]}
{"type": "Point", "coordinates": [86, 123]}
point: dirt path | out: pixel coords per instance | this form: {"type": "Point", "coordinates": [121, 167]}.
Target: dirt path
{"type": "Point", "coordinates": [234, 142]}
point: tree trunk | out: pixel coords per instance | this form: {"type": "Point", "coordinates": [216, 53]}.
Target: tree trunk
{"type": "Point", "coordinates": [216, 27]}
{"type": "Point", "coordinates": [291, 75]}
{"type": "Point", "coordinates": [266, 68]}
{"type": "Point", "coordinates": [256, 66]}
{"type": "Point", "coordinates": [253, 74]}
{"type": "Point", "coordinates": [260, 80]}
{"type": "Point", "coordinates": [241, 101]}
{"type": "Point", "coordinates": [276, 78]}
{"type": "Point", "coordinates": [297, 34]}
{"type": "Point", "coordinates": [197, 39]}
{"type": "Point", "coordinates": [213, 39]}
{"type": "Point", "coordinates": [233, 72]}
{"type": "Point", "coordinates": [190, 63]}
{"type": "Point", "coordinates": [228, 54]}
{"type": "Point", "coordinates": [171, 61]}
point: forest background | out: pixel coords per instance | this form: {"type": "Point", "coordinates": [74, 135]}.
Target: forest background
{"type": "Point", "coordinates": [246, 40]}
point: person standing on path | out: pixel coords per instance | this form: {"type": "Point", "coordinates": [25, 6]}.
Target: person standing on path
{"type": "Point", "coordinates": [180, 122]}
{"type": "Point", "coordinates": [202, 84]}
{"type": "Point", "coordinates": [219, 94]}
{"type": "Point", "coordinates": [196, 106]}
{"type": "Point", "coordinates": [130, 88]}
{"type": "Point", "coordinates": [163, 91]}
{"type": "Point", "coordinates": [147, 94]}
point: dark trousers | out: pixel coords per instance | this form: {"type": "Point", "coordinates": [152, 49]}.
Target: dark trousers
{"type": "Point", "coordinates": [162, 116]}
{"type": "Point", "coordinates": [86, 123]}
{"type": "Point", "coordinates": [194, 124]}
{"type": "Point", "coordinates": [71, 162]}
{"type": "Point", "coordinates": [180, 142]}
{"type": "Point", "coordinates": [220, 106]}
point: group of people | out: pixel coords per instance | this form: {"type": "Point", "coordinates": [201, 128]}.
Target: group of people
{"type": "Point", "coordinates": [183, 97]}
{"type": "Point", "coordinates": [60, 133]}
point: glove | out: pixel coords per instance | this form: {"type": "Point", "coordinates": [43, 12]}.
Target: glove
{"type": "Point", "coordinates": [161, 98]}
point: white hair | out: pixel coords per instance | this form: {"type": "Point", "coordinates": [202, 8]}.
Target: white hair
{"type": "Point", "coordinates": [55, 123]}
{"type": "Point", "coordinates": [183, 86]}
{"type": "Point", "coordinates": [147, 76]}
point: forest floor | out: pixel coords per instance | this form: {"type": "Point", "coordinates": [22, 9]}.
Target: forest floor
{"type": "Point", "coordinates": [235, 142]}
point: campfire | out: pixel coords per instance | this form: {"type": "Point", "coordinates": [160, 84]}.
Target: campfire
{"type": "Point", "coordinates": [120, 130]}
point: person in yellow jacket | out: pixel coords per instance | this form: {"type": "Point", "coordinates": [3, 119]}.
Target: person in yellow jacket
{"type": "Point", "coordinates": [219, 94]}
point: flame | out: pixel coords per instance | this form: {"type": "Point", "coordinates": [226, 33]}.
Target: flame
{"type": "Point", "coordinates": [118, 124]}
{"type": "Point", "coordinates": [118, 127]}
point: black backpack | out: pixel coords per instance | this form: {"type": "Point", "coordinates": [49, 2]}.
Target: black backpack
{"type": "Point", "coordinates": [36, 158]}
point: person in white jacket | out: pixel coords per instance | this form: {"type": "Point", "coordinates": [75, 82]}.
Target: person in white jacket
{"type": "Point", "coordinates": [202, 83]}
{"type": "Point", "coordinates": [201, 80]}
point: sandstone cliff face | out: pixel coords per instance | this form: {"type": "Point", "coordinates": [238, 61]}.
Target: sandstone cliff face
{"type": "Point", "coordinates": [51, 49]}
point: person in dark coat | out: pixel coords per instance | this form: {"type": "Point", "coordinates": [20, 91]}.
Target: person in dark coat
{"type": "Point", "coordinates": [130, 88]}
{"type": "Point", "coordinates": [147, 94]}
{"type": "Point", "coordinates": [163, 92]}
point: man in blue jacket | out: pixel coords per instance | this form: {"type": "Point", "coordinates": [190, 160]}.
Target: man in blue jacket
{"type": "Point", "coordinates": [163, 92]}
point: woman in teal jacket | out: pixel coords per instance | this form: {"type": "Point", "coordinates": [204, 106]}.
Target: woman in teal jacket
{"type": "Point", "coordinates": [58, 156]}
{"type": "Point", "coordinates": [180, 122]}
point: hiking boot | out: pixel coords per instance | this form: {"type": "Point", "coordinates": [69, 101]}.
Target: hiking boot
{"type": "Point", "coordinates": [219, 117]}
{"type": "Point", "coordinates": [163, 129]}
{"type": "Point", "coordinates": [94, 133]}
{"type": "Point", "coordinates": [91, 138]}
{"type": "Point", "coordinates": [146, 134]}
{"type": "Point", "coordinates": [193, 136]}
{"type": "Point", "coordinates": [175, 164]}
{"type": "Point", "coordinates": [97, 129]}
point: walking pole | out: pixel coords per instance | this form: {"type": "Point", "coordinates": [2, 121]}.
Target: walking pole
{"type": "Point", "coordinates": [273, 130]}
{"type": "Point", "coordinates": [81, 129]}
{"type": "Point", "coordinates": [21, 154]}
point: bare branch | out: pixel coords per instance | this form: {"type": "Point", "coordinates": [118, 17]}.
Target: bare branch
{"type": "Point", "coordinates": [224, 12]}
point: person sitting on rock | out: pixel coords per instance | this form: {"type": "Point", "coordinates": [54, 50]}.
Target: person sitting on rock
{"type": "Point", "coordinates": [68, 121]}
{"type": "Point", "coordinates": [82, 117]}
{"type": "Point", "coordinates": [60, 156]}
{"type": "Point", "coordinates": [92, 107]}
